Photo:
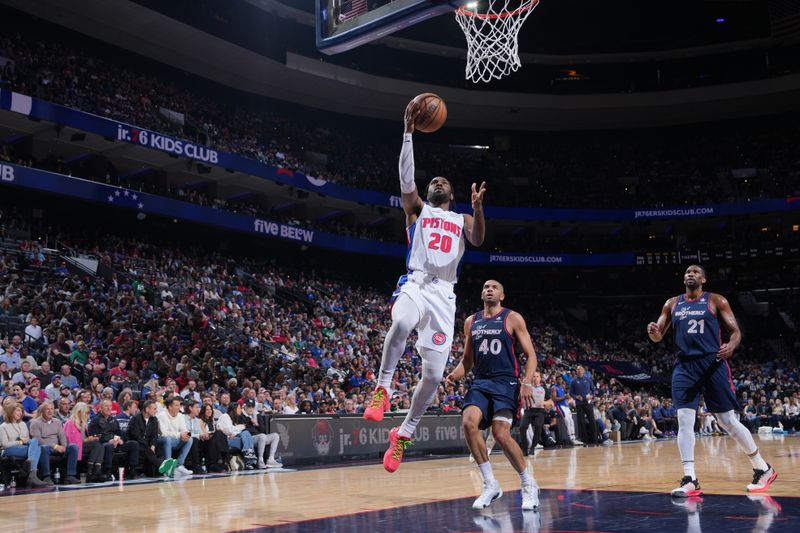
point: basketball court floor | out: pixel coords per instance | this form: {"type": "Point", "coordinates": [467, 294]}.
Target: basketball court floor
{"type": "Point", "coordinates": [615, 488]}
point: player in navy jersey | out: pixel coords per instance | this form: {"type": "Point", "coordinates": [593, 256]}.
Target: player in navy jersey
{"type": "Point", "coordinates": [494, 398]}
{"type": "Point", "coordinates": [702, 367]}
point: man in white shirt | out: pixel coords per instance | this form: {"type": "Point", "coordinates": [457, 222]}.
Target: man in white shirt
{"type": "Point", "coordinates": [174, 433]}
{"type": "Point", "coordinates": [33, 332]}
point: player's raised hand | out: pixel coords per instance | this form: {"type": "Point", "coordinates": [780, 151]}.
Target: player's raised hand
{"type": "Point", "coordinates": [477, 196]}
{"type": "Point", "coordinates": [653, 332]}
{"type": "Point", "coordinates": [410, 117]}
{"type": "Point", "coordinates": [726, 351]}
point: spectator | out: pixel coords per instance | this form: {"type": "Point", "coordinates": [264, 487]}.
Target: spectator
{"type": "Point", "coordinates": [107, 394]}
{"type": "Point", "coordinates": [224, 403]}
{"type": "Point", "coordinates": [143, 428]}
{"type": "Point", "coordinates": [15, 441]}
{"type": "Point", "coordinates": [33, 331]}
{"type": "Point", "coordinates": [238, 437]}
{"type": "Point", "coordinates": [261, 438]}
{"type": "Point", "coordinates": [279, 408]}
{"type": "Point", "coordinates": [174, 434]}
{"type": "Point", "coordinates": [119, 375]}
{"type": "Point", "coordinates": [5, 373]}
{"type": "Point", "coordinates": [105, 426]}
{"type": "Point", "coordinates": [27, 403]}
{"type": "Point", "coordinates": [129, 410]}
{"type": "Point", "coordinates": [24, 376]}
{"type": "Point", "coordinates": [64, 410]}
{"type": "Point", "coordinates": [49, 432]}
{"type": "Point", "coordinates": [216, 447]}
{"type": "Point", "coordinates": [190, 391]}
{"type": "Point", "coordinates": [669, 417]}
{"type": "Point", "coordinates": [67, 378]}
{"type": "Point", "coordinates": [89, 448]}
{"type": "Point", "coordinates": [11, 359]}
{"type": "Point", "coordinates": [45, 375]}
{"type": "Point", "coordinates": [79, 356]}
{"type": "Point", "coordinates": [199, 434]}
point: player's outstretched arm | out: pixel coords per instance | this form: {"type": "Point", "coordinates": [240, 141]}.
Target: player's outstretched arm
{"type": "Point", "coordinates": [467, 360]}
{"type": "Point", "coordinates": [412, 203]}
{"type": "Point", "coordinates": [726, 315]}
{"type": "Point", "coordinates": [475, 225]}
{"type": "Point", "coordinates": [656, 330]}
{"type": "Point", "coordinates": [519, 330]}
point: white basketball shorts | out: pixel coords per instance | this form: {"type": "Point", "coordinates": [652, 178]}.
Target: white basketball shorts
{"type": "Point", "coordinates": [437, 307]}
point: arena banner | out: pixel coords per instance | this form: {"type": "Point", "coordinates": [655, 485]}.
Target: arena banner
{"type": "Point", "coordinates": [122, 132]}
{"type": "Point", "coordinates": [312, 438]}
{"type": "Point", "coordinates": [623, 370]}
{"type": "Point", "coordinates": [120, 197]}
{"type": "Point", "coordinates": [551, 259]}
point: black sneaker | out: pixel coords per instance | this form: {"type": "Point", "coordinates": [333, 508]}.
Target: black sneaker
{"type": "Point", "coordinates": [689, 487]}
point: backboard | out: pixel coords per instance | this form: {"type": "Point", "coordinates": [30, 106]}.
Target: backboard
{"type": "Point", "coordinates": [346, 24]}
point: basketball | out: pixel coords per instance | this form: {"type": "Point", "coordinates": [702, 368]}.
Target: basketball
{"type": "Point", "coordinates": [433, 112]}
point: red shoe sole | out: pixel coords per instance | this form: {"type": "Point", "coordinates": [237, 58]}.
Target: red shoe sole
{"type": "Point", "coordinates": [386, 465]}
{"type": "Point", "coordinates": [772, 478]}
{"type": "Point", "coordinates": [690, 494]}
{"type": "Point", "coordinates": [374, 417]}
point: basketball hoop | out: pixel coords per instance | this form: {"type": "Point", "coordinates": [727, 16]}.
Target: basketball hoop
{"type": "Point", "coordinates": [491, 28]}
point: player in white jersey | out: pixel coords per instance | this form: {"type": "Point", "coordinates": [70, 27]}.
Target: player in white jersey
{"type": "Point", "coordinates": [424, 299]}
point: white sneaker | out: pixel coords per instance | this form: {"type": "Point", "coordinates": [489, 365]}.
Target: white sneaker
{"type": "Point", "coordinates": [608, 442]}
{"type": "Point", "coordinates": [539, 447]}
{"type": "Point", "coordinates": [530, 496]}
{"type": "Point", "coordinates": [272, 463]}
{"type": "Point", "coordinates": [491, 492]}
{"type": "Point", "coordinates": [576, 442]}
{"type": "Point", "coordinates": [647, 438]}
{"type": "Point", "coordinates": [261, 464]}
{"type": "Point", "coordinates": [471, 458]}
{"type": "Point", "coordinates": [183, 471]}
{"type": "Point", "coordinates": [762, 479]}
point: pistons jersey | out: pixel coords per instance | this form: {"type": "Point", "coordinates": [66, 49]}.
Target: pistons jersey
{"type": "Point", "coordinates": [493, 347]}
{"type": "Point", "coordinates": [697, 331]}
{"type": "Point", "coordinates": [436, 243]}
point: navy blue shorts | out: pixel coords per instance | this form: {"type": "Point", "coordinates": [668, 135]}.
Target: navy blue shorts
{"type": "Point", "coordinates": [494, 395]}
{"type": "Point", "coordinates": [707, 375]}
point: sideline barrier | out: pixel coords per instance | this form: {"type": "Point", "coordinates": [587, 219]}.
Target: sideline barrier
{"type": "Point", "coordinates": [329, 439]}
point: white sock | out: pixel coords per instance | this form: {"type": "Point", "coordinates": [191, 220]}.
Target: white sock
{"type": "Point", "coordinates": [688, 469]}
{"type": "Point", "coordinates": [526, 477]}
{"type": "Point", "coordinates": [486, 472]}
{"type": "Point", "coordinates": [686, 440]}
{"type": "Point", "coordinates": [758, 462]}
{"type": "Point", "coordinates": [385, 382]}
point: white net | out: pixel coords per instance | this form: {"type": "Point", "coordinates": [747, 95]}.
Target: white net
{"type": "Point", "coordinates": [491, 28]}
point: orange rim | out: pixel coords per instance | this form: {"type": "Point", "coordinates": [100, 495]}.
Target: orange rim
{"type": "Point", "coordinates": [494, 16]}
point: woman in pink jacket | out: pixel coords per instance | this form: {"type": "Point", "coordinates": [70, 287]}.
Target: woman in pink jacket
{"type": "Point", "coordinates": [89, 447]}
